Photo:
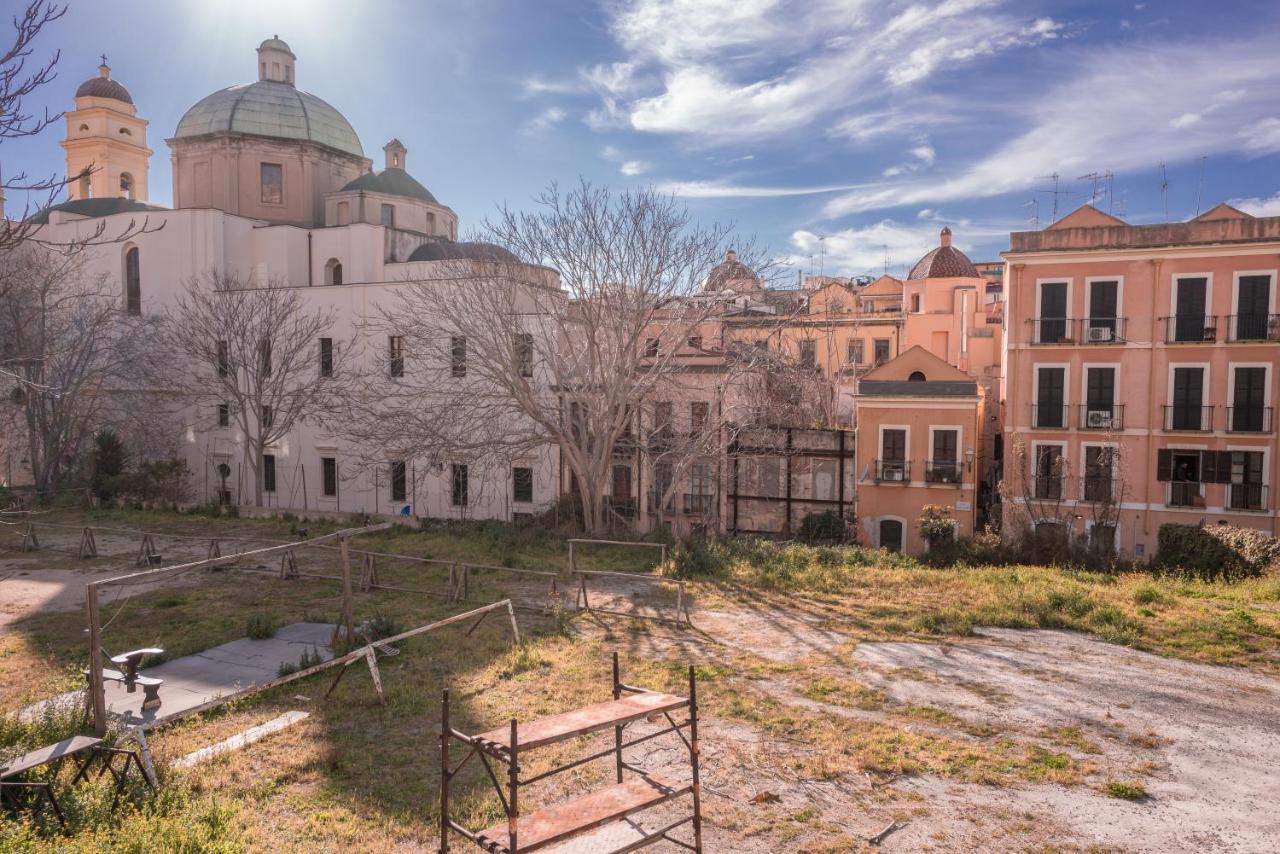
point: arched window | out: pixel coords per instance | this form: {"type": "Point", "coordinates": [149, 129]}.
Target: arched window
{"type": "Point", "coordinates": [86, 188]}
{"type": "Point", "coordinates": [84, 128]}
{"type": "Point", "coordinates": [126, 132]}
{"type": "Point", "coordinates": [333, 272]}
{"type": "Point", "coordinates": [132, 281]}
{"type": "Point", "coordinates": [916, 377]}
{"type": "Point", "coordinates": [126, 185]}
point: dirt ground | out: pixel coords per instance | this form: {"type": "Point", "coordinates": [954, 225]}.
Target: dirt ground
{"type": "Point", "coordinates": [1203, 741]}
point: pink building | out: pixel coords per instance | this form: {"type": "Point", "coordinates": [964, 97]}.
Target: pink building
{"type": "Point", "coordinates": [1141, 366]}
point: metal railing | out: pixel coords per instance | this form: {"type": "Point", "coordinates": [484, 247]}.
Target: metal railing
{"type": "Point", "coordinates": [1253, 327]}
{"type": "Point", "coordinates": [1098, 488]}
{"type": "Point", "coordinates": [1247, 496]}
{"type": "Point", "coordinates": [1052, 417]}
{"type": "Point", "coordinates": [1101, 330]}
{"type": "Point", "coordinates": [1190, 329]}
{"type": "Point", "coordinates": [1190, 419]}
{"type": "Point", "coordinates": [1248, 419]}
{"type": "Point", "coordinates": [942, 471]}
{"type": "Point", "coordinates": [1047, 487]}
{"type": "Point", "coordinates": [893, 471]}
{"type": "Point", "coordinates": [1051, 330]}
{"type": "Point", "coordinates": [698, 502]}
{"type": "Point", "coordinates": [1184, 493]}
{"type": "Point", "coordinates": [1102, 417]}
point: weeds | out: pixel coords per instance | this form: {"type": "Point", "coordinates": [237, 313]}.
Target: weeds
{"type": "Point", "coordinates": [260, 626]}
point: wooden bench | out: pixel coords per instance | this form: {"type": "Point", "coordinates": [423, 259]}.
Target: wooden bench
{"type": "Point", "coordinates": [78, 748]}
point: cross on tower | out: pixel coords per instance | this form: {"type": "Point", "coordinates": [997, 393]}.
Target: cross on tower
{"type": "Point", "coordinates": [104, 59]}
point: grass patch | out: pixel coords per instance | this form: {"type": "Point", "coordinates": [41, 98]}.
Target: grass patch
{"type": "Point", "coordinates": [1125, 791]}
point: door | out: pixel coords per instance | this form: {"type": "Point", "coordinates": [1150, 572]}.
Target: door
{"type": "Point", "coordinates": [1188, 399]}
{"type": "Point", "coordinates": [1102, 311]}
{"type": "Point", "coordinates": [621, 484]}
{"type": "Point", "coordinates": [893, 455]}
{"type": "Point", "coordinates": [1049, 397]}
{"type": "Point", "coordinates": [1100, 397]}
{"type": "Point", "coordinates": [1190, 319]}
{"type": "Point", "coordinates": [1253, 309]}
{"type": "Point", "coordinates": [1048, 477]}
{"type": "Point", "coordinates": [1248, 414]}
{"type": "Point", "coordinates": [1053, 312]}
{"type": "Point", "coordinates": [891, 535]}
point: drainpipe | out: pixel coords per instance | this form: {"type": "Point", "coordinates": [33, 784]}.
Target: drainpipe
{"type": "Point", "coordinates": [310, 266]}
{"type": "Point", "coordinates": [1152, 407]}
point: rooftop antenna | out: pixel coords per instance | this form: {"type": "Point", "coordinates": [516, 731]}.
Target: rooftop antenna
{"type": "Point", "coordinates": [822, 255]}
{"type": "Point", "coordinates": [1200, 185]}
{"type": "Point", "coordinates": [1110, 179]}
{"type": "Point", "coordinates": [886, 258]}
{"type": "Point", "coordinates": [1055, 191]}
{"type": "Point", "coordinates": [1094, 178]}
{"type": "Point", "coordinates": [1164, 189]}
{"type": "Point", "coordinates": [1034, 219]}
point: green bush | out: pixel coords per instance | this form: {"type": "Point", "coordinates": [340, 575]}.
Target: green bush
{"type": "Point", "coordinates": [936, 525]}
{"type": "Point", "coordinates": [1216, 552]}
{"type": "Point", "coordinates": [260, 626]}
{"type": "Point", "coordinates": [779, 566]}
{"type": "Point", "coordinates": [822, 527]}
{"type": "Point", "coordinates": [985, 549]}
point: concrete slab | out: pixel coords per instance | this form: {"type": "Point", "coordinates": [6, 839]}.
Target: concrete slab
{"type": "Point", "coordinates": [242, 739]}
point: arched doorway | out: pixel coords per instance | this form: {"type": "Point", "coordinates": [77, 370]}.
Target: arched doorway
{"type": "Point", "coordinates": [891, 535]}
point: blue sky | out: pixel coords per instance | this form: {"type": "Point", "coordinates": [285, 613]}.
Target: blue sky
{"type": "Point", "coordinates": [867, 123]}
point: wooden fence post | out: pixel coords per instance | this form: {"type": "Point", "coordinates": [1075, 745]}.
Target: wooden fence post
{"type": "Point", "coordinates": [97, 696]}
{"type": "Point", "coordinates": [347, 620]}
{"type": "Point", "coordinates": [88, 546]}
{"type": "Point", "coordinates": [30, 542]}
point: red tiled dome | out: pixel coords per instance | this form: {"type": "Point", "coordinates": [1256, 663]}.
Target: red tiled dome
{"type": "Point", "coordinates": [731, 274]}
{"type": "Point", "coordinates": [944, 262]}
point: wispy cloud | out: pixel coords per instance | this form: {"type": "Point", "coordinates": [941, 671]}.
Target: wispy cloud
{"type": "Point", "coordinates": [726, 190]}
{"type": "Point", "coordinates": [1122, 110]}
{"type": "Point", "coordinates": [544, 121]}
{"type": "Point", "coordinates": [1269, 206]}
{"type": "Point", "coordinates": [864, 249]}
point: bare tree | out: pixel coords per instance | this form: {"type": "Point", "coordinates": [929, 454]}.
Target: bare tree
{"type": "Point", "coordinates": [506, 358]}
{"type": "Point", "coordinates": [69, 350]}
{"type": "Point", "coordinates": [253, 348]}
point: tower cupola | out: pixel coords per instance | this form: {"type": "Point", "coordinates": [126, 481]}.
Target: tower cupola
{"type": "Point", "coordinates": [275, 61]}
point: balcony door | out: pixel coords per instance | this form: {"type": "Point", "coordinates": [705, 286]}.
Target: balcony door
{"type": "Point", "coordinates": [1248, 407]}
{"type": "Point", "coordinates": [1103, 303]}
{"type": "Point", "coordinates": [1050, 397]}
{"type": "Point", "coordinates": [1100, 397]}
{"type": "Point", "coordinates": [1253, 308]}
{"type": "Point", "coordinates": [1190, 316]}
{"type": "Point", "coordinates": [1053, 312]}
{"type": "Point", "coordinates": [1188, 399]}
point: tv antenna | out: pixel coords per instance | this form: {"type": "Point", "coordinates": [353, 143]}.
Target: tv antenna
{"type": "Point", "coordinates": [1095, 179]}
{"type": "Point", "coordinates": [1200, 185]}
{"type": "Point", "coordinates": [1034, 219]}
{"type": "Point", "coordinates": [822, 255]}
{"type": "Point", "coordinates": [1164, 190]}
{"type": "Point", "coordinates": [1055, 191]}
{"type": "Point", "coordinates": [886, 258]}
{"type": "Point", "coordinates": [1110, 179]}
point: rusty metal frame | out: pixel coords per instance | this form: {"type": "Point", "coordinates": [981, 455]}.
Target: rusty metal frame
{"type": "Point", "coordinates": [509, 755]}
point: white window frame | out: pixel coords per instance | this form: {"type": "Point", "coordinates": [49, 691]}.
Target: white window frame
{"type": "Point", "coordinates": [1066, 389]}
{"type": "Point", "coordinates": [1176, 278]}
{"type": "Point", "coordinates": [1235, 289]}
{"type": "Point", "coordinates": [1168, 490]}
{"type": "Point", "coordinates": [1206, 389]}
{"type": "Point", "coordinates": [1088, 294]}
{"type": "Point", "coordinates": [899, 520]}
{"type": "Point", "coordinates": [928, 457]}
{"type": "Point", "coordinates": [1055, 280]}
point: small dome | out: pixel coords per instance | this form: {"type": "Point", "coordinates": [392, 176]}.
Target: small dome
{"type": "Point", "coordinates": [732, 275]}
{"type": "Point", "coordinates": [276, 43]}
{"type": "Point", "coordinates": [944, 262]}
{"type": "Point", "coordinates": [393, 182]}
{"type": "Point", "coordinates": [103, 86]}
{"type": "Point", "coordinates": [272, 109]}
{"type": "Point", "coordinates": [94, 208]}
{"type": "Point", "coordinates": [448, 250]}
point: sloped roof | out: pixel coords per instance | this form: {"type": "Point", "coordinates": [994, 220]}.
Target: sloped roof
{"type": "Point", "coordinates": [449, 250]}
{"type": "Point", "coordinates": [917, 358]}
{"type": "Point", "coordinates": [1086, 216]}
{"type": "Point", "coordinates": [1220, 211]}
{"type": "Point", "coordinates": [884, 286]}
{"type": "Point", "coordinates": [93, 208]}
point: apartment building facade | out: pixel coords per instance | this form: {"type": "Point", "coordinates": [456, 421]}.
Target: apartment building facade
{"type": "Point", "coordinates": [1141, 374]}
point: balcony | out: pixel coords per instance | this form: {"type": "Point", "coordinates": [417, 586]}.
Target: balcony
{"type": "Point", "coordinates": [1248, 419]}
{"type": "Point", "coordinates": [698, 503]}
{"type": "Point", "coordinates": [1246, 496]}
{"type": "Point", "coordinates": [1101, 417]}
{"type": "Point", "coordinates": [1190, 329]}
{"type": "Point", "coordinates": [1188, 419]}
{"type": "Point", "coordinates": [893, 471]}
{"type": "Point", "coordinates": [1184, 493]}
{"type": "Point", "coordinates": [1101, 330]}
{"type": "Point", "coordinates": [1051, 330]}
{"type": "Point", "coordinates": [1098, 488]}
{"type": "Point", "coordinates": [1047, 487]}
{"type": "Point", "coordinates": [1253, 327]}
{"type": "Point", "coordinates": [1050, 417]}
{"type": "Point", "coordinates": [942, 471]}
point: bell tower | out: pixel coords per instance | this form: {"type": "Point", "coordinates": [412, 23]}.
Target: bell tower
{"type": "Point", "coordinates": [106, 141]}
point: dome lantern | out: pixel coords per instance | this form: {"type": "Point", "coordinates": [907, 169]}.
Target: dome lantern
{"type": "Point", "coordinates": [275, 61]}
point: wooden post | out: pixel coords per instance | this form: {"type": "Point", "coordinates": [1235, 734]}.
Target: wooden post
{"type": "Point", "coordinates": [303, 468]}
{"type": "Point", "coordinates": [371, 657]}
{"type": "Point", "coordinates": [30, 542]}
{"type": "Point", "coordinates": [444, 772]}
{"type": "Point", "coordinates": [215, 550]}
{"type": "Point", "coordinates": [513, 781]}
{"type": "Point", "coordinates": [347, 620]}
{"type": "Point", "coordinates": [693, 760]}
{"type": "Point", "coordinates": [146, 551]}
{"type": "Point", "coordinates": [515, 628]}
{"type": "Point", "coordinates": [97, 696]}
{"type": "Point", "coordinates": [679, 601]}
{"type": "Point", "coordinates": [617, 730]}
{"type": "Point", "coordinates": [572, 565]}
{"type": "Point", "coordinates": [288, 565]}
{"type": "Point", "coordinates": [88, 546]}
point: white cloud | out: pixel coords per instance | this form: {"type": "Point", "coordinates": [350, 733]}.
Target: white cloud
{"type": "Point", "coordinates": [725, 190]}
{"type": "Point", "coordinates": [633, 167]}
{"type": "Point", "coordinates": [544, 121]}
{"type": "Point", "coordinates": [1115, 114]}
{"type": "Point", "coordinates": [1258, 206]}
{"type": "Point", "coordinates": [1186, 120]}
{"type": "Point", "coordinates": [862, 249]}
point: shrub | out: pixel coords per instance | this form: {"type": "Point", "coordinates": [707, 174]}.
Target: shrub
{"type": "Point", "coordinates": [1217, 552]}
{"type": "Point", "coordinates": [822, 527]}
{"type": "Point", "coordinates": [936, 525]}
{"type": "Point", "coordinates": [985, 549]}
{"type": "Point", "coordinates": [109, 461]}
{"type": "Point", "coordinates": [1125, 791]}
{"type": "Point", "coordinates": [260, 626]}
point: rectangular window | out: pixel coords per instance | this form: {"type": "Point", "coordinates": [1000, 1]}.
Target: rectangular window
{"type": "Point", "coordinates": [663, 415]}
{"type": "Point", "coordinates": [459, 490]}
{"type": "Point", "coordinates": [326, 357]}
{"type": "Point", "coordinates": [329, 476]}
{"type": "Point", "coordinates": [224, 415]}
{"type": "Point", "coordinates": [695, 341]}
{"type": "Point", "coordinates": [1245, 492]}
{"type": "Point", "coordinates": [698, 411]}
{"type": "Point", "coordinates": [1103, 303]}
{"type": "Point", "coordinates": [1187, 406]}
{"type": "Point", "coordinates": [268, 472]}
{"type": "Point", "coordinates": [1249, 393]}
{"type": "Point", "coordinates": [662, 479]}
{"type": "Point", "coordinates": [944, 464]}
{"type": "Point", "coordinates": [272, 176]}
{"type": "Point", "coordinates": [808, 354]}
{"type": "Point", "coordinates": [1097, 473]}
{"type": "Point", "coordinates": [1100, 399]}
{"type": "Point", "coordinates": [524, 354]}
{"type": "Point", "coordinates": [1053, 312]}
{"type": "Point", "coordinates": [458, 355]}
{"type": "Point", "coordinates": [1253, 309]}
{"type": "Point", "coordinates": [398, 480]}
{"type": "Point", "coordinates": [651, 348]}
{"type": "Point", "coordinates": [522, 484]}
{"type": "Point", "coordinates": [1048, 472]}
{"type": "Point", "coordinates": [1184, 475]}
{"type": "Point", "coordinates": [893, 455]}
{"type": "Point", "coordinates": [395, 353]}
{"type": "Point", "coordinates": [223, 359]}
{"type": "Point", "coordinates": [880, 350]}
{"type": "Point", "coordinates": [1191, 322]}
{"type": "Point", "coordinates": [268, 417]}
{"type": "Point", "coordinates": [389, 216]}
{"type": "Point", "coordinates": [264, 357]}
{"type": "Point", "coordinates": [1050, 397]}
{"type": "Point", "coordinates": [856, 352]}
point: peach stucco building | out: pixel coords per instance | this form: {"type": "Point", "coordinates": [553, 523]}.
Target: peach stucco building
{"type": "Point", "coordinates": [1142, 371]}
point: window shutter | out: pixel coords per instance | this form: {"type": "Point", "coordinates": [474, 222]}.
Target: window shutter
{"type": "Point", "coordinates": [1223, 468]}
{"type": "Point", "coordinates": [1164, 465]}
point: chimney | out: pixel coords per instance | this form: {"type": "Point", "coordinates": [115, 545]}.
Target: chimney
{"type": "Point", "coordinates": [395, 153]}
{"type": "Point", "coordinates": [946, 235]}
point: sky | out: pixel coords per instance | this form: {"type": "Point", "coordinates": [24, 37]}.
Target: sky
{"type": "Point", "coordinates": [841, 135]}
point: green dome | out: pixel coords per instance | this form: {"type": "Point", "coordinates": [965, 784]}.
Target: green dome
{"type": "Point", "coordinates": [94, 208]}
{"type": "Point", "coordinates": [393, 182]}
{"type": "Point", "coordinates": [270, 109]}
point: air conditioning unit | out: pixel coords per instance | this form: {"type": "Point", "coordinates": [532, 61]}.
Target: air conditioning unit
{"type": "Point", "coordinates": [892, 474]}
{"type": "Point", "coordinates": [1098, 419]}
{"type": "Point", "coordinates": [1101, 333]}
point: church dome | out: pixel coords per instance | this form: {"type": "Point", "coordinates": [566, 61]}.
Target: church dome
{"type": "Point", "coordinates": [393, 182]}
{"type": "Point", "coordinates": [944, 262]}
{"type": "Point", "coordinates": [103, 86]}
{"type": "Point", "coordinates": [271, 109]}
{"type": "Point", "coordinates": [732, 275]}
{"type": "Point", "coordinates": [448, 250]}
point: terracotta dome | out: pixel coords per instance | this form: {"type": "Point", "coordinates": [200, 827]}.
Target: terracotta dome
{"type": "Point", "coordinates": [944, 262]}
{"type": "Point", "coordinates": [732, 275]}
{"type": "Point", "coordinates": [103, 86]}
